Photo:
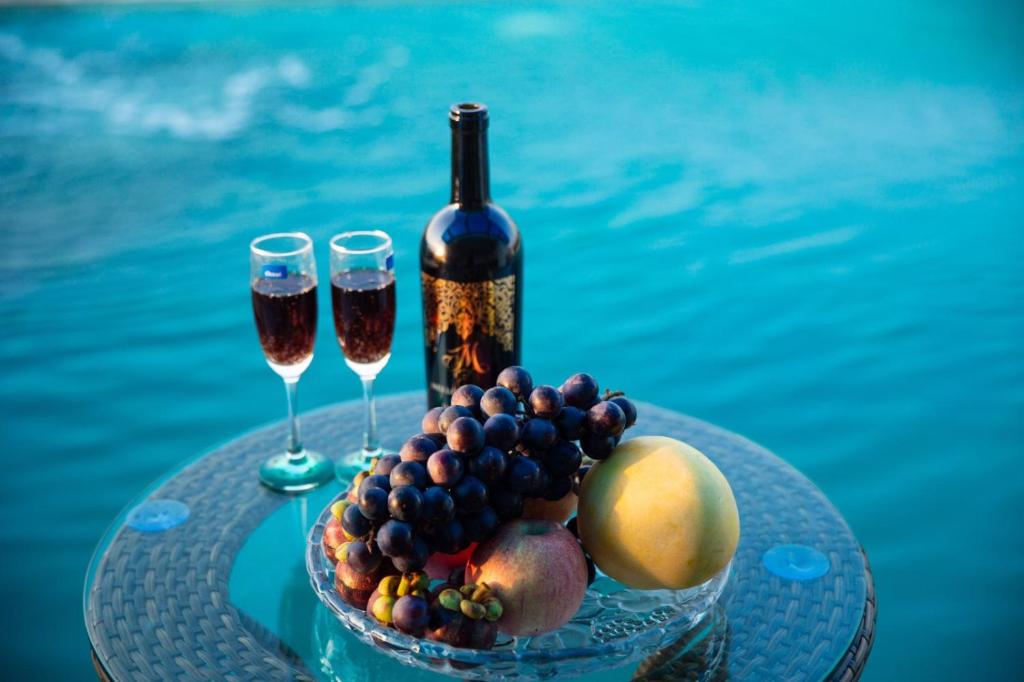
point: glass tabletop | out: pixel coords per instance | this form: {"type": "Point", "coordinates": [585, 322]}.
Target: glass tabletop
{"type": "Point", "coordinates": [204, 574]}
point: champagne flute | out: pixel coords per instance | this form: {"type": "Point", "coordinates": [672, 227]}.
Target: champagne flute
{"type": "Point", "coordinates": [282, 274]}
{"type": "Point", "coordinates": [363, 298]}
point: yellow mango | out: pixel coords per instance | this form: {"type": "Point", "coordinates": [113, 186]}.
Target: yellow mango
{"type": "Point", "coordinates": [658, 514]}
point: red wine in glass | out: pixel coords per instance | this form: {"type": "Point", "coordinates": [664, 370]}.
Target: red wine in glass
{"type": "Point", "coordinates": [282, 278]}
{"type": "Point", "coordinates": [285, 311]}
{"type": "Point", "coordinates": [364, 313]}
{"type": "Point", "coordinates": [363, 299]}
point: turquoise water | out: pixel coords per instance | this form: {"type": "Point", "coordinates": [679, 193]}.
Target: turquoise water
{"type": "Point", "coordinates": [802, 223]}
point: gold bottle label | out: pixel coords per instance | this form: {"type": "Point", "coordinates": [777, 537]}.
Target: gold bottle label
{"type": "Point", "coordinates": [470, 330]}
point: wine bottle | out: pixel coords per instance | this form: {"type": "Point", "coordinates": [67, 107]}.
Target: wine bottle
{"type": "Point", "coordinates": [471, 270]}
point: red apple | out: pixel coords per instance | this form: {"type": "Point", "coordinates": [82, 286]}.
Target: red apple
{"type": "Point", "coordinates": [536, 568]}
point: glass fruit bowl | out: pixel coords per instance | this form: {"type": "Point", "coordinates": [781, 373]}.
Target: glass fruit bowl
{"type": "Point", "coordinates": [615, 626]}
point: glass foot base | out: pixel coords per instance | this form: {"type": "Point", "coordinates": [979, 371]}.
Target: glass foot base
{"type": "Point", "coordinates": [293, 475]}
{"type": "Point", "coordinates": [351, 463]}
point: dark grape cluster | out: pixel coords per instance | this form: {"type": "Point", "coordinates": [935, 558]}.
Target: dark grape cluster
{"type": "Point", "coordinates": [475, 464]}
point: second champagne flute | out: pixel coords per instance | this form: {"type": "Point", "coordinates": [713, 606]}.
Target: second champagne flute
{"type": "Point", "coordinates": [363, 298]}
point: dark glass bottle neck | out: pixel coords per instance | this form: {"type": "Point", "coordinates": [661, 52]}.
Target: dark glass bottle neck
{"type": "Point", "coordinates": [471, 184]}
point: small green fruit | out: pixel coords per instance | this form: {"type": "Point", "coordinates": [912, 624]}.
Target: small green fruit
{"type": "Point", "coordinates": [382, 607]}
{"type": "Point", "coordinates": [389, 586]}
{"type": "Point", "coordinates": [338, 508]}
{"type": "Point", "coordinates": [450, 599]}
{"type": "Point", "coordinates": [492, 608]}
{"type": "Point", "coordinates": [472, 609]}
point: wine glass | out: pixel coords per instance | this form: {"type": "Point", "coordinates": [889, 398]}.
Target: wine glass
{"type": "Point", "coordinates": [363, 297]}
{"type": "Point", "coordinates": [282, 273]}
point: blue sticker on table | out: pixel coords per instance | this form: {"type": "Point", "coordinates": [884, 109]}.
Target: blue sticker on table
{"type": "Point", "coordinates": [155, 516]}
{"type": "Point", "coordinates": [275, 271]}
{"type": "Point", "coordinates": [796, 562]}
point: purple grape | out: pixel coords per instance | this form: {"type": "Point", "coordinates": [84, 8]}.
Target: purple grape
{"type": "Point", "coordinates": [450, 537]}
{"type": "Point", "coordinates": [445, 468]}
{"type": "Point", "coordinates": [537, 434]}
{"type": "Point", "coordinates": [627, 407]}
{"type": "Point", "coordinates": [489, 466]}
{"type": "Point", "coordinates": [597, 447]}
{"type": "Point", "coordinates": [450, 414]}
{"type": "Point", "coordinates": [557, 488]}
{"type": "Point", "coordinates": [409, 473]}
{"type": "Point", "coordinates": [375, 481]}
{"type": "Point", "coordinates": [354, 523]}
{"type": "Point", "coordinates": [501, 431]}
{"type": "Point", "coordinates": [385, 464]}
{"type": "Point", "coordinates": [584, 470]}
{"type": "Point", "coordinates": [570, 422]}
{"type": "Point", "coordinates": [470, 495]}
{"type": "Point", "coordinates": [481, 525]}
{"type": "Point", "coordinates": [469, 395]}
{"type": "Point", "coordinates": [465, 435]}
{"type": "Point", "coordinates": [411, 615]}
{"type": "Point", "coordinates": [573, 527]}
{"type": "Point", "coordinates": [580, 390]}
{"type": "Point", "coordinates": [562, 458]}
{"type": "Point", "coordinates": [405, 503]}
{"type": "Point", "coordinates": [394, 537]}
{"type": "Point", "coordinates": [591, 570]}
{"type": "Point", "coordinates": [606, 419]}
{"type": "Point", "coordinates": [537, 489]}
{"type": "Point", "coordinates": [506, 503]}
{"type": "Point", "coordinates": [415, 558]}
{"type": "Point", "coordinates": [517, 380]}
{"type": "Point", "coordinates": [363, 558]}
{"type": "Point", "coordinates": [523, 474]}
{"type": "Point", "coordinates": [438, 505]}
{"type": "Point", "coordinates": [429, 423]}
{"type": "Point", "coordinates": [546, 402]}
{"type": "Point", "coordinates": [418, 448]}
{"type": "Point", "coordinates": [373, 503]}
{"type": "Point", "coordinates": [499, 400]}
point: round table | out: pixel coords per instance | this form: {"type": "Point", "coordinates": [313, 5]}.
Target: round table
{"type": "Point", "coordinates": [214, 587]}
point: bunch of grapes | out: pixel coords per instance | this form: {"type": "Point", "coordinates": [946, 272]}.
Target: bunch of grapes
{"type": "Point", "coordinates": [474, 465]}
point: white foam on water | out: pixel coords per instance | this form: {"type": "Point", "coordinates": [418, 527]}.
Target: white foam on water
{"type": "Point", "coordinates": [216, 111]}
{"type": "Point", "coordinates": [670, 200]}
{"type": "Point", "coordinates": [50, 62]}
{"type": "Point", "coordinates": [316, 120]}
{"type": "Point", "coordinates": [530, 25]}
{"type": "Point", "coordinates": [812, 241]}
{"type": "Point", "coordinates": [294, 71]}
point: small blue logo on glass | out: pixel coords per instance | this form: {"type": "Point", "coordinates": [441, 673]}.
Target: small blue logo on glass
{"type": "Point", "coordinates": [275, 271]}
{"type": "Point", "coordinates": [389, 263]}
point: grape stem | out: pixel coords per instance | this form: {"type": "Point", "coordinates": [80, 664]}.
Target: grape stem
{"type": "Point", "coordinates": [609, 394]}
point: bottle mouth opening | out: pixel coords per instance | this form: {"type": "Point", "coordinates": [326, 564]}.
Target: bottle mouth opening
{"type": "Point", "coordinates": [468, 116]}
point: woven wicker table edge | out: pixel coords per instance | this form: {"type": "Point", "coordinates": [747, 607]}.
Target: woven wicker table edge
{"type": "Point", "coordinates": [851, 666]}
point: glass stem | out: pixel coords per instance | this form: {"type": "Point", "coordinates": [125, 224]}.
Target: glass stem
{"type": "Point", "coordinates": [295, 451]}
{"type": "Point", "coordinates": [370, 442]}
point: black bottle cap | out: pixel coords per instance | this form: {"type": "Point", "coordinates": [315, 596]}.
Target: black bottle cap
{"type": "Point", "coordinates": [468, 116]}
